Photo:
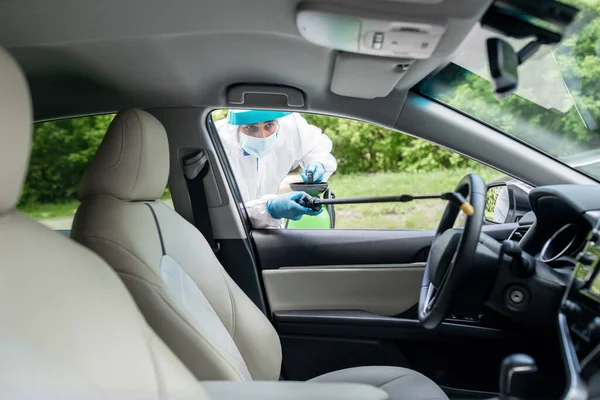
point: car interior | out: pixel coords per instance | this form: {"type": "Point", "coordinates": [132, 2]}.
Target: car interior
{"type": "Point", "coordinates": [142, 300]}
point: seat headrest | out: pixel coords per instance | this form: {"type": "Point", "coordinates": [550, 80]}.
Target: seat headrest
{"type": "Point", "coordinates": [132, 162]}
{"type": "Point", "coordinates": [15, 131]}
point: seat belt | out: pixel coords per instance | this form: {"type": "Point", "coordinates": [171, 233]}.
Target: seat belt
{"type": "Point", "coordinates": [195, 168]}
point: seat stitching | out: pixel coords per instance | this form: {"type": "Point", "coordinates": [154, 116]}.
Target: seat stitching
{"type": "Point", "coordinates": [404, 376]}
{"type": "Point", "coordinates": [139, 164]}
{"type": "Point", "coordinates": [122, 248]}
{"type": "Point", "coordinates": [393, 379]}
{"type": "Point", "coordinates": [121, 151]}
{"type": "Point", "coordinates": [138, 277]}
{"type": "Point", "coordinates": [160, 236]}
{"type": "Point", "coordinates": [231, 299]}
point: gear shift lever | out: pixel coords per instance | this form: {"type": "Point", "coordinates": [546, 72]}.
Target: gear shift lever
{"type": "Point", "coordinates": [513, 376]}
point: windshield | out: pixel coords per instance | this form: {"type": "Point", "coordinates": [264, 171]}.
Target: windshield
{"type": "Point", "coordinates": [557, 106]}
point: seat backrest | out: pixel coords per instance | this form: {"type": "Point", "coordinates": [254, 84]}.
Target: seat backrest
{"type": "Point", "coordinates": [168, 266]}
{"type": "Point", "coordinates": [69, 328]}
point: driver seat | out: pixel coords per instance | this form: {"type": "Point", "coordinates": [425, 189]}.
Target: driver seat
{"type": "Point", "coordinates": [174, 276]}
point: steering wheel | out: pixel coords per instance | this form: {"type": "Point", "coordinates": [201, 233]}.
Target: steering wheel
{"type": "Point", "coordinates": [452, 253]}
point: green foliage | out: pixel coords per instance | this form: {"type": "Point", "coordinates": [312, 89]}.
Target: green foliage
{"type": "Point", "coordinates": [420, 214]}
{"type": "Point", "coordinates": [61, 151]}
{"type": "Point", "coordinates": [560, 135]}
{"type": "Point", "coordinates": [491, 199]}
{"type": "Point", "coordinates": [42, 211]}
{"type": "Point", "coordinates": [219, 114]}
{"type": "Point", "coordinates": [363, 147]}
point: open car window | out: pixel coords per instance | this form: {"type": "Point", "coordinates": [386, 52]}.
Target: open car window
{"type": "Point", "coordinates": [357, 159]}
{"type": "Point", "coordinates": [557, 106]}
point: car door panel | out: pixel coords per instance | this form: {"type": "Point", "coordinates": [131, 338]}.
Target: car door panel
{"type": "Point", "coordinates": [380, 289]}
{"type": "Point", "coordinates": [346, 298]}
{"type": "Point", "coordinates": [376, 270]}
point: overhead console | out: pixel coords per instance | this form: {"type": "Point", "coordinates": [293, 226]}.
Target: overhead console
{"type": "Point", "coordinates": [388, 44]}
{"type": "Point", "coordinates": [402, 39]}
{"type": "Point", "coordinates": [380, 45]}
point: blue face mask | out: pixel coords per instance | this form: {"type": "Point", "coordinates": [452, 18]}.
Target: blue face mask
{"type": "Point", "coordinates": [258, 147]}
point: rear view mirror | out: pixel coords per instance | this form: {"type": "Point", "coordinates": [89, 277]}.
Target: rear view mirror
{"type": "Point", "coordinates": [503, 61]}
{"type": "Point", "coordinates": [497, 204]}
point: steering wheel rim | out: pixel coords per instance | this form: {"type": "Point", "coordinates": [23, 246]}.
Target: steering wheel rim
{"type": "Point", "coordinates": [452, 253]}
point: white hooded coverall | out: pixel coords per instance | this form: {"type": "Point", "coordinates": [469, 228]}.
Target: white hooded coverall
{"type": "Point", "coordinates": [258, 179]}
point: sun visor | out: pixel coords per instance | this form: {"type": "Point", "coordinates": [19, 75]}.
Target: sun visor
{"type": "Point", "coordinates": [366, 77]}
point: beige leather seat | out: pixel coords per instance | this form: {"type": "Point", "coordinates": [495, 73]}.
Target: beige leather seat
{"type": "Point", "coordinates": [178, 283]}
{"type": "Point", "coordinates": [70, 329]}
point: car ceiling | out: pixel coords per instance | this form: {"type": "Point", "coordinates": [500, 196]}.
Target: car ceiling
{"type": "Point", "coordinates": [85, 57]}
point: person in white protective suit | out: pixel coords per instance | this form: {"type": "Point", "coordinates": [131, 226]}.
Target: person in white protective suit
{"type": "Point", "coordinates": [263, 147]}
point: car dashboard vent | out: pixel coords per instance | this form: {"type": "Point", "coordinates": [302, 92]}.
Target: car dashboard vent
{"type": "Point", "coordinates": [519, 233]}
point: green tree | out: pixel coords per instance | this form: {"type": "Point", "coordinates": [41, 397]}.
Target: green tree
{"type": "Point", "coordinates": [219, 114]}
{"type": "Point", "coordinates": [61, 151]}
{"type": "Point", "coordinates": [363, 147]}
{"type": "Point", "coordinates": [560, 135]}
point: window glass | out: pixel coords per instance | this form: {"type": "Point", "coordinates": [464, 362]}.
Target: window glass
{"type": "Point", "coordinates": [61, 152]}
{"type": "Point", "coordinates": [270, 155]}
{"type": "Point", "coordinates": [557, 105]}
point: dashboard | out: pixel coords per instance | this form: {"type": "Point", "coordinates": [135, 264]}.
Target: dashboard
{"type": "Point", "coordinates": [566, 234]}
{"type": "Point", "coordinates": [564, 216]}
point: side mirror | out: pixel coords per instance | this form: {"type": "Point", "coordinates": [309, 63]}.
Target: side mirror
{"type": "Point", "coordinates": [497, 204]}
{"type": "Point", "coordinates": [506, 203]}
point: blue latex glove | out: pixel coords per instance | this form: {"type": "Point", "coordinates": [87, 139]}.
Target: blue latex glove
{"type": "Point", "coordinates": [290, 206]}
{"type": "Point", "coordinates": [318, 171]}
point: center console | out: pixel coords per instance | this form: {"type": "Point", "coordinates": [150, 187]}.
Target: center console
{"type": "Point", "coordinates": [579, 323]}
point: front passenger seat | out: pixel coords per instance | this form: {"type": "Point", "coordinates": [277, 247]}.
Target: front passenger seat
{"type": "Point", "coordinates": [178, 283]}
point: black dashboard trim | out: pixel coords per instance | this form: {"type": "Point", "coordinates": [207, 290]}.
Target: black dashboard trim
{"type": "Point", "coordinates": [364, 323]}
{"type": "Point", "coordinates": [580, 198]}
